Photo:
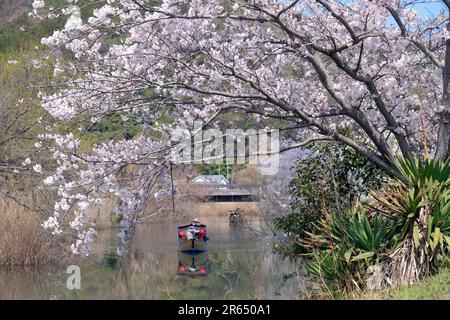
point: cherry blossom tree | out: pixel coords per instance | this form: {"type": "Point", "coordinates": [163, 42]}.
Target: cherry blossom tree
{"type": "Point", "coordinates": [372, 74]}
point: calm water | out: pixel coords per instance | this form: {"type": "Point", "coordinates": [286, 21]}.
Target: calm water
{"type": "Point", "coordinates": [238, 265]}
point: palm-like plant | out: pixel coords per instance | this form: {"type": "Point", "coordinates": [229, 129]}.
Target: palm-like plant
{"type": "Point", "coordinates": [344, 246]}
{"type": "Point", "coordinates": [369, 235]}
{"type": "Point", "coordinates": [403, 238]}
{"type": "Point", "coordinates": [418, 203]}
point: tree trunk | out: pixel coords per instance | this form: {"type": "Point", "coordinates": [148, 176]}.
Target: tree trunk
{"type": "Point", "coordinates": [443, 142]}
{"type": "Point", "coordinates": [412, 260]}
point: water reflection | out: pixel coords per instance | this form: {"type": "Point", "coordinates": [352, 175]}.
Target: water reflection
{"type": "Point", "coordinates": [238, 265]}
{"type": "Point", "coordinates": [193, 264]}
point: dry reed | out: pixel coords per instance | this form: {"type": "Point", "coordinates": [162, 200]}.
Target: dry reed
{"type": "Point", "coordinates": [23, 240]}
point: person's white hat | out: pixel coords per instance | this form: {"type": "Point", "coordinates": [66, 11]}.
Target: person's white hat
{"type": "Point", "coordinates": [196, 220]}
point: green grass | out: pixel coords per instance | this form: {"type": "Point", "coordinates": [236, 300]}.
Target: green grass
{"type": "Point", "coordinates": [434, 287]}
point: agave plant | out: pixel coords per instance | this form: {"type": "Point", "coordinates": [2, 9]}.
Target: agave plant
{"type": "Point", "coordinates": [334, 270]}
{"type": "Point", "coordinates": [346, 245]}
{"type": "Point", "coordinates": [369, 235]}
{"type": "Point", "coordinates": [419, 204]}
{"type": "Point", "coordinates": [403, 238]}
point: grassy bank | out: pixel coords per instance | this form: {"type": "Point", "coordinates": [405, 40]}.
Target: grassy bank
{"type": "Point", "coordinates": [435, 287]}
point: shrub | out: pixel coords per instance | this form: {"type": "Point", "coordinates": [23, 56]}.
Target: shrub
{"type": "Point", "coordinates": [344, 246]}
{"type": "Point", "coordinates": [419, 202]}
{"type": "Point", "coordinates": [403, 233]}
{"type": "Point", "coordinates": [327, 181]}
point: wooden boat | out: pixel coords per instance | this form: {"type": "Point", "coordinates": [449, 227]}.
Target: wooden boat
{"type": "Point", "coordinates": [235, 216]}
{"type": "Point", "coordinates": [193, 265]}
{"type": "Point", "coordinates": [192, 238]}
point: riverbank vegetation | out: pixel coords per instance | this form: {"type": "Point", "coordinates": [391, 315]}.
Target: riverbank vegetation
{"type": "Point", "coordinates": [390, 231]}
{"type": "Point", "coordinates": [24, 203]}
{"type": "Point", "coordinates": [434, 287]}
{"type": "Point", "coordinates": [23, 241]}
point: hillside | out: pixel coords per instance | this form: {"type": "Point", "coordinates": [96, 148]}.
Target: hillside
{"type": "Point", "coordinates": [12, 9]}
{"type": "Point", "coordinates": [18, 32]}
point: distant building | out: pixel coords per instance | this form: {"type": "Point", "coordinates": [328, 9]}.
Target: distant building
{"type": "Point", "coordinates": [218, 179]}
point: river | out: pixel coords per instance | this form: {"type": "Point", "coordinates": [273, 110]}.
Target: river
{"type": "Point", "coordinates": [239, 264]}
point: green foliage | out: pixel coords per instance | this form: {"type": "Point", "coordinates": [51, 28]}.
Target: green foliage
{"type": "Point", "coordinates": [435, 287]}
{"type": "Point", "coordinates": [344, 246]}
{"type": "Point", "coordinates": [417, 172]}
{"type": "Point", "coordinates": [326, 182]}
{"type": "Point", "coordinates": [19, 127]}
{"type": "Point", "coordinates": [220, 169]}
{"type": "Point", "coordinates": [331, 266]}
{"type": "Point", "coordinates": [420, 203]}
{"type": "Point", "coordinates": [24, 33]}
{"type": "Point", "coordinates": [106, 129]}
{"type": "Point", "coordinates": [115, 125]}
{"type": "Point", "coordinates": [404, 231]}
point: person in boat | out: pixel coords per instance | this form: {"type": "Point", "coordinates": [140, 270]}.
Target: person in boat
{"type": "Point", "coordinates": [235, 213]}
{"type": "Point", "coordinates": [193, 233]}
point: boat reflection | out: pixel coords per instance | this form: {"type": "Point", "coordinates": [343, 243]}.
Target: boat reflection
{"type": "Point", "coordinates": [193, 264]}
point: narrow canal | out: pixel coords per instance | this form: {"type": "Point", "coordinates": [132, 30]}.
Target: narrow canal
{"type": "Point", "coordinates": [239, 264]}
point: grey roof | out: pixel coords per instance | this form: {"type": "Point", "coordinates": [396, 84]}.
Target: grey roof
{"type": "Point", "coordinates": [212, 178]}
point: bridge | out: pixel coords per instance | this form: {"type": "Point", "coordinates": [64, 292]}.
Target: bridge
{"type": "Point", "coordinates": [223, 193]}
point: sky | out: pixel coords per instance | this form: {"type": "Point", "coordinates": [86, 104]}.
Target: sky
{"type": "Point", "coordinates": [429, 8]}
{"type": "Point", "coordinates": [424, 7]}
